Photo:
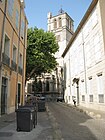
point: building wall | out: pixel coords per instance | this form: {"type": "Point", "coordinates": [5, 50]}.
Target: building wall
{"type": "Point", "coordinates": [87, 62]}
{"type": "Point", "coordinates": [15, 29]}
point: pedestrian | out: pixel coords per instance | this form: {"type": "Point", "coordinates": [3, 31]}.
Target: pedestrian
{"type": "Point", "coordinates": [74, 100]}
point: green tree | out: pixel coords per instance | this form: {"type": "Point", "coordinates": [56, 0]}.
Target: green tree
{"type": "Point", "coordinates": [41, 47]}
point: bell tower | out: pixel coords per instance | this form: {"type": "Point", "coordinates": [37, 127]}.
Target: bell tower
{"type": "Point", "coordinates": [62, 25]}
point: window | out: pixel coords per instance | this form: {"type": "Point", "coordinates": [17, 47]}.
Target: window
{"type": "Point", "coordinates": [83, 97]}
{"type": "Point", "coordinates": [17, 19]}
{"type": "Point", "coordinates": [100, 83]}
{"type": "Point", "coordinates": [6, 54]}
{"type": "Point", "coordinates": [82, 87]}
{"type": "Point", "coordinates": [20, 60]}
{"type": "Point", "coordinates": [89, 87]}
{"type": "Point", "coordinates": [55, 23]}
{"type": "Point", "coordinates": [90, 98]}
{"type": "Point", "coordinates": [10, 7]}
{"type": "Point", "coordinates": [101, 98]}
{"type": "Point", "coordinates": [7, 45]}
{"type": "Point", "coordinates": [14, 53]}
{"type": "Point", "coordinates": [20, 66]}
{"type": "Point", "coordinates": [14, 65]}
{"type": "Point", "coordinates": [60, 22]}
{"type": "Point", "coordinates": [68, 23]}
{"type": "Point", "coordinates": [22, 29]}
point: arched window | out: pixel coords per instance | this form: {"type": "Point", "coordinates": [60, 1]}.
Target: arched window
{"type": "Point", "coordinates": [60, 22]}
{"type": "Point", "coordinates": [55, 23]}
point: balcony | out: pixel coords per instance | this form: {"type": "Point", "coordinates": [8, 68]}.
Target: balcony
{"type": "Point", "coordinates": [14, 65]}
{"type": "Point", "coordinates": [5, 59]}
{"type": "Point", "coordinates": [20, 70]}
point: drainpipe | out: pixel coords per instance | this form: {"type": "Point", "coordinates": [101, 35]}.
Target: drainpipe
{"type": "Point", "coordinates": [85, 74]}
{"type": "Point", "coordinates": [69, 75]}
{"type": "Point", "coordinates": [16, 99]}
{"type": "Point", "coordinates": [2, 36]}
{"type": "Point", "coordinates": [23, 73]}
{"type": "Point", "coordinates": [1, 46]}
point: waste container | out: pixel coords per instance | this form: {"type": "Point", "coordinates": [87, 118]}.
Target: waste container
{"type": "Point", "coordinates": [41, 106]}
{"type": "Point", "coordinates": [24, 119]}
{"type": "Point", "coordinates": [33, 107]}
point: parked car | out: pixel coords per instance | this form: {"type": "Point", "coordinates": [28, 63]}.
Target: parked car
{"type": "Point", "coordinates": [59, 99]}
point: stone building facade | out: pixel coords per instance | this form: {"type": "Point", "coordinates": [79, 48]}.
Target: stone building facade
{"type": "Point", "coordinates": [62, 25]}
{"type": "Point", "coordinates": [13, 43]}
{"type": "Point", "coordinates": [84, 60]}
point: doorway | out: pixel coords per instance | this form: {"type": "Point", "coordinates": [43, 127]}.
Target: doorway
{"type": "Point", "coordinates": [4, 95]}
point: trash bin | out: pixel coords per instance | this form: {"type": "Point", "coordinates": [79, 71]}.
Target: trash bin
{"type": "Point", "coordinates": [41, 106]}
{"type": "Point", "coordinates": [24, 119]}
{"type": "Point", "coordinates": [33, 107]}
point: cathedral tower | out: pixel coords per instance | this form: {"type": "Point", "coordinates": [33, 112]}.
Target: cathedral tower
{"type": "Point", "coordinates": [63, 28]}
{"type": "Point", "coordinates": [62, 25]}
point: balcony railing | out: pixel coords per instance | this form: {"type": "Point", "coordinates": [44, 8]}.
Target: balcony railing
{"type": "Point", "coordinates": [20, 70]}
{"type": "Point", "coordinates": [14, 65]}
{"type": "Point", "coordinates": [6, 59]}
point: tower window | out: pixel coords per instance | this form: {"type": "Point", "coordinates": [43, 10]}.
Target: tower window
{"type": "Point", "coordinates": [55, 23]}
{"type": "Point", "coordinates": [60, 22]}
{"type": "Point", "coordinates": [68, 23]}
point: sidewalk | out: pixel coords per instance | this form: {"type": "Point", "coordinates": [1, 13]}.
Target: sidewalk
{"type": "Point", "coordinates": [42, 131]}
{"type": "Point", "coordinates": [97, 114]}
{"type": "Point", "coordinates": [93, 113]}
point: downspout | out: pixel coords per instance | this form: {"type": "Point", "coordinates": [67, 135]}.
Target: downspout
{"type": "Point", "coordinates": [1, 46]}
{"type": "Point", "coordinates": [16, 100]}
{"type": "Point", "coordinates": [69, 75]}
{"type": "Point", "coordinates": [24, 65]}
{"type": "Point", "coordinates": [3, 26]}
{"type": "Point", "coordinates": [85, 73]}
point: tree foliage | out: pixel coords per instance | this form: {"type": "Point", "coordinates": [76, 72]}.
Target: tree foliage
{"type": "Point", "coordinates": [41, 47]}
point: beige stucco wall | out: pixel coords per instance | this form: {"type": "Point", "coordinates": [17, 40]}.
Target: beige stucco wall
{"type": "Point", "coordinates": [13, 34]}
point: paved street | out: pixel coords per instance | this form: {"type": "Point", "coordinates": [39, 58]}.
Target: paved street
{"type": "Point", "coordinates": [59, 122]}
{"type": "Point", "coordinates": [71, 124]}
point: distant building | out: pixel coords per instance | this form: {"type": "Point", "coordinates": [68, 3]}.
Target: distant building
{"type": "Point", "coordinates": [51, 85]}
{"type": "Point", "coordinates": [13, 43]}
{"type": "Point", "coordinates": [84, 60]}
{"type": "Point", "coordinates": [62, 25]}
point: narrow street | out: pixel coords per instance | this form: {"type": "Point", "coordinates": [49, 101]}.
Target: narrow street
{"type": "Point", "coordinates": [71, 124]}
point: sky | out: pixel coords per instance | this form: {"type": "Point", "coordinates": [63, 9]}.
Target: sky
{"type": "Point", "coordinates": [37, 10]}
